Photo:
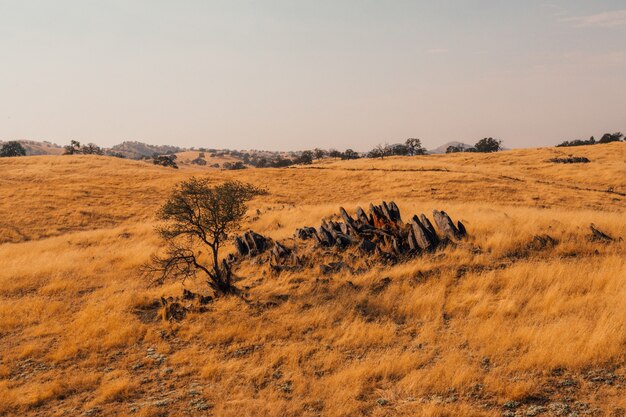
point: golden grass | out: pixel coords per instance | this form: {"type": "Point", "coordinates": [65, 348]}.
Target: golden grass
{"type": "Point", "coordinates": [458, 332]}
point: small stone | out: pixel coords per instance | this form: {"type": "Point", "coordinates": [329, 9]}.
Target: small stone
{"type": "Point", "coordinates": [382, 402]}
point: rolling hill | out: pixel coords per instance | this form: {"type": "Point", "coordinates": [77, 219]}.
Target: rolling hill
{"type": "Point", "coordinates": [525, 317]}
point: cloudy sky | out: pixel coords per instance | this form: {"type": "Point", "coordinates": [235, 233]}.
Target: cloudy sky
{"type": "Point", "coordinates": [294, 75]}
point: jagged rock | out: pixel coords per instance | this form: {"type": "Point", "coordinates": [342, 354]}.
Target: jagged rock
{"type": "Point", "coordinates": [325, 237]}
{"type": "Point", "coordinates": [381, 234]}
{"type": "Point", "coordinates": [256, 243]}
{"type": "Point", "coordinates": [446, 226]}
{"type": "Point", "coordinates": [431, 230]}
{"type": "Point", "coordinates": [394, 211]}
{"type": "Point", "coordinates": [422, 235]}
{"type": "Point", "coordinates": [396, 244]}
{"type": "Point", "coordinates": [280, 251]}
{"type": "Point", "coordinates": [378, 217]}
{"type": "Point", "coordinates": [305, 232]}
{"type": "Point", "coordinates": [360, 214]}
{"type": "Point", "coordinates": [462, 229]}
{"type": "Point", "coordinates": [598, 235]}
{"type": "Point", "coordinates": [349, 223]}
{"type": "Point", "coordinates": [367, 246]}
{"type": "Point", "coordinates": [240, 245]}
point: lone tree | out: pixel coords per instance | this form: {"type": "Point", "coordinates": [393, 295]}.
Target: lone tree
{"type": "Point", "coordinates": [12, 148]}
{"type": "Point", "coordinates": [197, 218]}
{"type": "Point", "coordinates": [488, 145]}
{"type": "Point", "coordinates": [414, 147]}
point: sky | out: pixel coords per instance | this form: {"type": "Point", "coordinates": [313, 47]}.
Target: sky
{"type": "Point", "coordinates": [294, 75]}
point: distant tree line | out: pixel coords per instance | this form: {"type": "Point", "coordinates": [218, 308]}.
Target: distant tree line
{"type": "Point", "coordinates": [410, 147]}
{"type": "Point", "coordinates": [606, 138]}
{"type": "Point", "coordinates": [76, 148]}
{"type": "Point", "coordinates": [485, 145]}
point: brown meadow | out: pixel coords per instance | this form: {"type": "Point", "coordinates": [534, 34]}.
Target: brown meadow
{"type": "Point", "coordinates": [494, 325]}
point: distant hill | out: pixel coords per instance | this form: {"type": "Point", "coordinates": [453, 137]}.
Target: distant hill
{"type": "Point", "coordinates": [40, 148]}
{"type": "Point", "coordinates": [444, 147]}
{"type": "Point", "coordinates": [137, 150]}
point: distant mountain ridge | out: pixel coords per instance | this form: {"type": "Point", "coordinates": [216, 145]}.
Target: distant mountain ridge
{"type": "Point", "coordinates": [33, 147]}
{"type": "Point", "coordinates": [137, 150]}
{"type": "Point", "coordinates": [443, 148]}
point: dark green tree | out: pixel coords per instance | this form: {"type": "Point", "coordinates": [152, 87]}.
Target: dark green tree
{"type": "Point", "coordinates": [349, 154]}
{"type": "Point", "coordinates": [488, 145]}
{"type": "Point", "coordinates": [414, 147]}
{"type": "Point", "coordinates": [611, 137]}
{"type": "Point", "coordinates": [305, 158]}
{"type": "Point", "coordinates": [12, 148]}
{"type": "Point", "coordinates": [454, 149]}
{"type": "Point", "coordinates": [319, 153]}
{"type": "Point", "coordinates": [72, 148]}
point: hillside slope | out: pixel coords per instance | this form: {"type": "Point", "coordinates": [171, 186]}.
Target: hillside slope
{"type": "Point", "coordinates": [497, 325]}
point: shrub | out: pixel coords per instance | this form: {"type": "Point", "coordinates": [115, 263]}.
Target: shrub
{"type": "Point", "coordinates": [165, 160]}
{"type": "Point", "coordinates": [577, 142]}
{"type": "Point", "coordinates": [233, 165]}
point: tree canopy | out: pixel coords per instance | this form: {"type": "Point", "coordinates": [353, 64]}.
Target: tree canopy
{"type": "Point", "coordinates": [12, 148]}
{"type": "Point", "coordinates": [197, 217]}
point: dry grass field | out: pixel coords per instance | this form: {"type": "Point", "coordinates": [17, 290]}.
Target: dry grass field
{"type": "Point", "coordinates": [493, 326]}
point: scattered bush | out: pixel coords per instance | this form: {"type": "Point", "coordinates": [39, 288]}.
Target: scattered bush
{"type": "Point", "coordinates": [570, 160]}
{"type": "Point", "coordinates": [165, 160]}
{"type": "Point", "coordinates": [606, 138]}
{"type": "Point", "coordinates": [577, 142]}
{"type": "Point", "coordinates": [611, 137]}
{"type": "Point", "coordinates": [233, 165]}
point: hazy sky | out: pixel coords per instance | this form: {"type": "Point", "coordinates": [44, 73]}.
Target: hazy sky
{"type": "Point", "coordinates": [295, 75]}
